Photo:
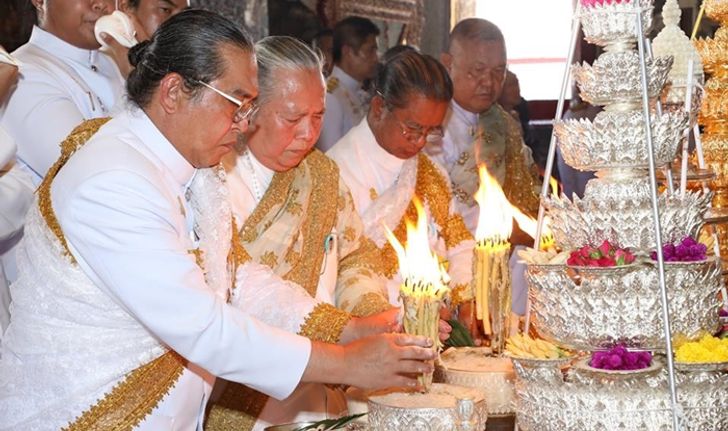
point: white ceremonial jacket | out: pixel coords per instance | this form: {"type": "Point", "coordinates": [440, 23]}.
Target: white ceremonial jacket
{"type": "Point", "coordinates": [16, 194]}
{"type": "Point", "coordinates": [278, 302]}
{"type": "Point", "coordinates": [382, 186]}
{"type": "Point", "coordinates": [76, 330]}
{"type": "Point", "coordinates": [346, 105]}
{"type": "Point", "coordinates": [460, 128]}
{"type": "Point", "coordinates": [60, 86]}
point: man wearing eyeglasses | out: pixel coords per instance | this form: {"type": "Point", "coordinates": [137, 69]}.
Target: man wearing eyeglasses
{"type": "Point", "coordinates": [123, 314]}
{"type": "Point", "coordinates": [477, 129]}
{"type": "Point", "coordinates": [382, 163]}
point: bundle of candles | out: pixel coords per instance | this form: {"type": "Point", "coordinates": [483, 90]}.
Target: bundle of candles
{"type": "Point", "coordinates": [424, 287]}
{"type": "Point", "coordinates": [491, 274]}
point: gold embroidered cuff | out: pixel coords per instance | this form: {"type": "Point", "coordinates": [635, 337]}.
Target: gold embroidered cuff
{"type": "Point", "coordinates": [461, 293]}
{"type": "Point", "coordinates": [370, 303]}
{"type": "Point", "coordinates": [325, 323]}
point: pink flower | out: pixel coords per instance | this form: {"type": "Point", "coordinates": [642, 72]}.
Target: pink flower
{"type": "Point", "coordinates": [606, 248]}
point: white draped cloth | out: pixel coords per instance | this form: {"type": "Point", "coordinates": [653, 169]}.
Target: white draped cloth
{"type": "Point", "coordinates": [77, 329]}
{"type": "Point", "coordinates": [383, 186]}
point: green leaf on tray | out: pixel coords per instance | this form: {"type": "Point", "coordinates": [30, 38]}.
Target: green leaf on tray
{"type": "Point", "coordinates": [330, 424]}
{"type": "Point", "coordinates": [460, 336]}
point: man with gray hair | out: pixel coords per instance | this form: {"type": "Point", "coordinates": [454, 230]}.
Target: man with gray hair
{"type": "Point", "coordinates": [295, 218]}
{"type": "Point", "coordinates": [477, 129]}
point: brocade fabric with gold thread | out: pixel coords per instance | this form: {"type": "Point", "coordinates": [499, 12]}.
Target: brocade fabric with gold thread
{"type": "Point", "coordinates": [499, 145]}
{"type": "Point", "coordinates": [288, 230]}
{"type": "Point", "coordinates": [140, 390]}
{"type": "Point", "coordinates": [431, 186]}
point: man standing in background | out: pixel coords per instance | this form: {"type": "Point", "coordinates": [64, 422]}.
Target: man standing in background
{"type": "Point", "coordinates": [355, 60]}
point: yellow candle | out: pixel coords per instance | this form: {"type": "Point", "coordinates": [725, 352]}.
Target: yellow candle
{"type": "Point", "coordinates": [421, 303]}
{"type": "Point", "coordinates": [492, 285]}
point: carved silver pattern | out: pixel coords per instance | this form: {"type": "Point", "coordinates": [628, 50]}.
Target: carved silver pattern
{"type": "Point", "coordinates": [498, 387]}
{"type": "Point", "coordinates": [388, 418]}
{"type": "Point", "coordinates": [617, 140]}
{"type": "Point", "coordinates": [612, 22]}
{"type": "Point", "coordinates": [619, 210]}
{"type": "Point", "coordinates": [589, 310]}
{"type": "Point", "coordinates": [587, 401]}
{"type": "Point", "coordinates": [614, 78]}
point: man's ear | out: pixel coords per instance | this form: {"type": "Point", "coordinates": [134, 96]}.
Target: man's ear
{"type": "Point", "coordinates": [347, 51]}
{"type": "Point", "coordinates": [172, 92]}
{"type": "Point", "coordinates": [446, 60]}
{"type": "Point", "coordinates": [378, 107]}
{"type": "Point", "coordinates": [39, 6]}
{"type": "Point", "coordinates": [124, 6]}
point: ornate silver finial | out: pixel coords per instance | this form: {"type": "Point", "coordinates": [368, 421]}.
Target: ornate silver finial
{"type": "Point", "coordinates": [671, 13]}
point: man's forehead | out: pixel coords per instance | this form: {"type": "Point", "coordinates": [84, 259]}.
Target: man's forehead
{"type": "Point", "coordinates": [241, 69]}
{"type": "Point", "coordinates": [465, 48]}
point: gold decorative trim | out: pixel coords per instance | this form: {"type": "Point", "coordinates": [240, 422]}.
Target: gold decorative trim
{"type": "Point", "coordinates": [366, 257]}
{"type": "Point", "coordinates": [455, 231]}
{"type": "Point", "coordinates": [461, 293]}
{"type": "Point", "coordinates": [130, 401]}
{"type": "Point", "coordinates": [369, 304]}
{"type": "Point", "coordinates": [133, 398]}
{"type": "Point", "coordinates": [276, 194]}
{"type": "Point", "coordinates": [432, 188]}
{"type": "Point", "coordinates": [325, 323]}
{"type": "Point", "coordinates": [520, 182]}
{"type": "Point", "coordinates": [323, 212]}
{"type": "Point", "coordinates": [75, 140]}
{"type": "Point", "coordinates": [237, 409]}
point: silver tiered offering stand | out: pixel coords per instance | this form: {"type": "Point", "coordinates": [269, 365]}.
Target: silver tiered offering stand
{"type": "Point", "coordinates": [640, 305]}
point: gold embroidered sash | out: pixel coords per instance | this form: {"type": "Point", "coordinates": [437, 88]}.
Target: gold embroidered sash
{"type": "Point", "coordinates": [432, 189]}
{"type": "Point", "coordinates": [288, 228]}
{"type": "Point", "coordinates": [141, 390]}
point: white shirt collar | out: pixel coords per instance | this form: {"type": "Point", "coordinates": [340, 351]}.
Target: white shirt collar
{"type": "Point", "coordinates": [384, 161]}
{"type": "Point", "coordinates": [469, 118]}
{"type": "Point", "coordinates": [347, 81]}
{"type": "Point", "coordinates": [142, 126]}
{"type": "Point", "coordinates": [62, 49]}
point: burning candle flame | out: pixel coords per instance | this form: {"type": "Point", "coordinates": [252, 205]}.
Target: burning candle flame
{"type": "Point", "coordinates": [418, 265]}
{"type": "Point", "coordinates": [496, 216]}
{"type": "Point", "coordinates": [495, 220]}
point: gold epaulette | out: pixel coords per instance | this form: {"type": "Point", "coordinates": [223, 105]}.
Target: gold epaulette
{"type": "Point", "coordinates": [332, 84]}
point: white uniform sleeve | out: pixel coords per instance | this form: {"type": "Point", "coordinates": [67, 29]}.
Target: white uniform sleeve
{"type": "Point", "coordinates": [16, 191]}
{"type": "Point", "coordinates": [333, 127]}
{"type": "Point", "coordinates": [125, 234]}
{"type": "Point", "coordinates": [39, 116]}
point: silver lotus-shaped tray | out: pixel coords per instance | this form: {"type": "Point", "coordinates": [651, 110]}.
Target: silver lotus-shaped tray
{"type": "Point", "coordinates": [612, 23]}
{"type": "Point", "coordinates": [590, 310]}
{"type": "Point", "coordinates": [497, 385]}
{"type": "Point", "coordinates": [389, 418]}
{"type": "Point", "coordinates": [587, 401]}
{"type": "Point", "coordinates": [628, 223]}
{"type": "Point", "coordinates": [617, 140]}
{"type": "Point", "coordinates": [615, 78]}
